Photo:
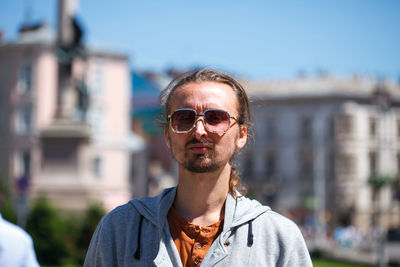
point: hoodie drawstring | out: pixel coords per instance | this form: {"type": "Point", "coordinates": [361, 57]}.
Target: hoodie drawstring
{"type": "Point", "coordinates": [137, 252]}
{"type": "Point", "coordinates": [250, 234]}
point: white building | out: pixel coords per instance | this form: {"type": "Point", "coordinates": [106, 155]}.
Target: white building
{"type": "Point", "coordinates": [317, 143]}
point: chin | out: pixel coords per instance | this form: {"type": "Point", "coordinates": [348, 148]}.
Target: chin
{"type": "Point", "coordinates": [202, 169]}
{"type": "Point", "coordinates": [202, 165]}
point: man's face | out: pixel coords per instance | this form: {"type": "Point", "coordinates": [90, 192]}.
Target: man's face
{"type": "Point", "coordinates": [199, 150]}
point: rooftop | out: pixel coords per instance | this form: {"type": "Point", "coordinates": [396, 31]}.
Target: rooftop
{"type": "Point", "coordinates": [40, 34]}
{"type": "Point", "coordinates": [320, 86]}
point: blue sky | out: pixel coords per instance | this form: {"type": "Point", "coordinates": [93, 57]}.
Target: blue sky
{"type": "Point", "coordinates": [258, 39]}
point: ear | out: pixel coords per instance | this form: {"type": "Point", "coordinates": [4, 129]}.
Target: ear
{"type": "Point", "coordinates": [166, 137]}
{"type": "Point", "coordinates": [242, 139]}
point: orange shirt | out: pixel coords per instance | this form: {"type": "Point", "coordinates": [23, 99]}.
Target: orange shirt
{"type": "Point", "coordinates": [192, 241]}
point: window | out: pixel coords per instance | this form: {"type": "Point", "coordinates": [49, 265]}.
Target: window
{"type": "Point", "coordinates": [306, 172]}
{"type": "Point", "coordinates": [25, 79]}
{"type": "Point", "coordinates": [97, 78]}
{"type": "Point", "coordinates": [373, 163]}
{"type": "Point", "coordinates": [398, 128]}
{"type": "Point", "coordinates": [343, 124]}
{"type": "Point", "coordinates": [22, 164]}
{"type": "Point", "coordinates": [248, 165]}
{"type": "Point", "coordinates": [373, 127]}
{"type": "Point", "coordinates": [97, 167]}
{"type": "Point", "coordinates": [270, 128]}
{"type": "Point", "coordinates": [306, 128]}
{"type": "Point", "coordinates": [270, 163]}
{"type": "Point", "coordinates": [96, 120]}
{"type": "Point", "coordinates": [344, 164]}
{"type": "Point", "coordinates": [23, 121]}
{"type": "Point", "coordinates": [306, 162]}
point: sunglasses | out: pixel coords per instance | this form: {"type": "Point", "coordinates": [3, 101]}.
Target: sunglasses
{"type": "Point", "coordinates": [215, 120]}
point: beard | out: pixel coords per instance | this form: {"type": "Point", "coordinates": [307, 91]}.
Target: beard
{"type": "Point", "coordinates": [200, 163]}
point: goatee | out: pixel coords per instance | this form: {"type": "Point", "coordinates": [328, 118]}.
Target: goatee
{"type": "Point", "coordinates": [201, 163]}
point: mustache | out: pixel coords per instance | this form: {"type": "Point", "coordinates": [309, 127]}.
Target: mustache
{"type": "Point", "coordinates": [198, 141]}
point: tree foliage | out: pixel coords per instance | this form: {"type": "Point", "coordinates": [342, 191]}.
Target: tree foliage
{"type": "Point", "coordinates": [6, 205]}
{"type": "Point", "coordinates": [377, 181]}
{"type": "Point", "coordinates": [48, 232]}
{"type": "Point", "coordinates": [61, 238]}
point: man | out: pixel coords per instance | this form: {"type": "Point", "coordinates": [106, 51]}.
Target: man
{"type": "Point", "coordinates": [204, 220]}
{"type": "Point", "coordinates": [16, 246]}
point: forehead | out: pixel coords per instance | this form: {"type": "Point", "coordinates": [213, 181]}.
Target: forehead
{"type": "Point", "coordinates": [204, 95]}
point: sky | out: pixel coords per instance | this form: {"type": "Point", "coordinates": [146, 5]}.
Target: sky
{"type": "Point", "coordinates": [255, 39]}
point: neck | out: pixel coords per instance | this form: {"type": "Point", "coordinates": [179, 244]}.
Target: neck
{"type": "Point", "coordinates": [201, 197]}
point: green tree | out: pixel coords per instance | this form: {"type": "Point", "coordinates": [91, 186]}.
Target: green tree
{"type": "Point", "coordinates": [377, 182]}
{"type": "Point", "coordinates": [89, 223]}
{"type": "Point", "coordinates": [6, 204]}
{"type": "Point", "coordinates": [49, 233]}
{"type": "Point", "coordinates": [61, 238]}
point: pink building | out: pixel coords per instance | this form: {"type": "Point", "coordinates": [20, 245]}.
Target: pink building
{"type": "Point", "coordinates": [82, 159]}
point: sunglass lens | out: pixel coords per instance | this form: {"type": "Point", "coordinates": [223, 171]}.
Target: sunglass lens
{"type": "Point", "coordinates": [183, 120]}
{"type": "Point", "coordinates": [217, 120]}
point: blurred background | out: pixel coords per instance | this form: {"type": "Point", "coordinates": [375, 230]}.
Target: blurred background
{"type": "Point", "coordinates": [78, 106]}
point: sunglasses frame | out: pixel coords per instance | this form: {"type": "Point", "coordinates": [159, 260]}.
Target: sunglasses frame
{"type": "Point", "coordinates": [204, 120]}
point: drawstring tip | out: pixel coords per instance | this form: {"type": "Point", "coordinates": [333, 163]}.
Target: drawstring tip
{"type": "Point", "coordinates": [250, 241]}
{"type": "Point", "coordinates": [137, 254]}
{"type": "Point", "coordinates": [250, 234]}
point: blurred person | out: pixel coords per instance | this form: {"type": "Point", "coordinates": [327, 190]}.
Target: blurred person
{"type": "Point", "coordinates": [16, 246]}
{"type": "Point", "coordinates": [205, 220]}
{"type": "Point", "coordinates": [347, 236]}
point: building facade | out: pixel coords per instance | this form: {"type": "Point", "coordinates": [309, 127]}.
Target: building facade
{"type": "Point", "coordinates": [319, 145]}
{"type": "Point", "coordinates": [75, 161]}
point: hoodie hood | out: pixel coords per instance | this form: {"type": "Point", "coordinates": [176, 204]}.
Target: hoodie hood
{"type": "Point", "coordinates": [241, 210]}
{"type": "Point", "coordinates": [238, 211]}
{"type": "Point", "coordinates": [155, 209]}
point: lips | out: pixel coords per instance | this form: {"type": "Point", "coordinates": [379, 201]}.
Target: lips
{"type": "Point", "coordinates": [199, 148]}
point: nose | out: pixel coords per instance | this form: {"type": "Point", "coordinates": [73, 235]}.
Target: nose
{"type": "Point", "coordinates": [199, 128]}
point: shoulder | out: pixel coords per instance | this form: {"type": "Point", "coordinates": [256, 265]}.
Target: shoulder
{"type": "Point", "coordinates": [121, 212]}
{"type": "Point", "coordinates": [274, 233]}
{"type": "Point", "coordinates": [279, 230]}
{"type": "Point", "coordinates": [120, 215]}
{"type": "Point", "coordinates": [119, 231]}
{"type": "Point", "coordinates": [267, 220]}
{"type": "Point", "coordinates": [13, 231]}
{"type": "Point", "coordinates": [280, 222]}
{"type": "Point", "coordinates": [113, 230]}
{"type": "Point", "coordinates": [285, 236]}
{"type": "Point", "coordinates": [279, 219]}
{"type": "Point", "coordinates": [147, 207]}
{"type": "Point", "coordinates": [266, 215]}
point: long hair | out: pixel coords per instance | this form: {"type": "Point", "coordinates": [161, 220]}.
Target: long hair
{"type": "Point", "coordinates": [244, 118]}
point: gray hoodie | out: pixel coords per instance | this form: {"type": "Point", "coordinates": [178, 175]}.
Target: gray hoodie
{"type": "Point", "coordinates": [137, 234]}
